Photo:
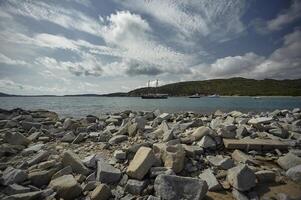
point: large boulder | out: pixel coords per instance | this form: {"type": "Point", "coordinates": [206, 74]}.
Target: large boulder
{"type": "Point", "coordinates": [66, 187]}
{"type": "Point", "coordinates": [71, 159]}
{"type": "Point", "coordinates": [169, 187]}
{"type": "Point", "coordinates": [241, 177]}
{"type": "Point", "coordinates": [141, 163]}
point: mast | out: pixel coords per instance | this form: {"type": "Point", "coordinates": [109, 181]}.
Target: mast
{"type": "Point", "coordinates": [157, 86]}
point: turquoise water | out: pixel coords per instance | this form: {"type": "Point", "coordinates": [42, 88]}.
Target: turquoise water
{"type": "Point", "coordinates": [82, 106]}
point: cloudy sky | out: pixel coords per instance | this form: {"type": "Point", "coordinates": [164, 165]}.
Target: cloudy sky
{"type": "Point", "coordinates": [100, 46]}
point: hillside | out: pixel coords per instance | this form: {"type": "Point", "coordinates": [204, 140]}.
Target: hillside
{"type": "Point", "coordinates": [232, 86]}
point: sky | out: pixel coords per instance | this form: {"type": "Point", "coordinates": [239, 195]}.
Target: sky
{"type": "Point", "coordinates": [99, 46]}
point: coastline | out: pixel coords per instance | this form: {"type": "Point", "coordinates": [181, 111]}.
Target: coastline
{"type": "Point", "coordinates": [126, 153]}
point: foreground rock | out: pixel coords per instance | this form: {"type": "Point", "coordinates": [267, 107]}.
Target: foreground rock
{"type": "Point", "coordinates": [176, 187]}
{"type": "Point", "coordinates": [241, 177]}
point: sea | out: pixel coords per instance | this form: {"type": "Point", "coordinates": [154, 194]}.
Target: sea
{"type": "Point", "coordinates": [78, 107]}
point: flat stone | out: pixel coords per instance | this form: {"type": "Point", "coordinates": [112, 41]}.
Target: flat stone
{"type": "Point", "coordinates": [40, 178]}
{"type": "Point", "coordinates": [295, 173]}
{"type": "Point", "coordinates": [107, 173]}
{"type": "Point", "coordinates": [254, 144]}
{"type": "Point", "coordinates": [16, 138]}
{"type": "Point", "coordinates": [66, 187]}
{"type": "Point", "coordinates": [141, 163]}
{"type": "Point", "coordinates": [135, 186]}
{"type": "Point", "coordinates": [11, 175]}
{"type": "Point", "coordinates": [208, 176]}
{"type": "Point", "coordinates": [34, 136]}
{"type": "Point", "coordinates": [169, 187]}
{"type": "Point", "coordinates": [72, 159]}
{"type": "Point", "coordinates": [41, 156]}
{"type": "Point", "coordinates": [221, 162]}
{"type": "Point", "coordinates": [241, 177]}
{"type": "Point", "coordinates": [28, 125]}
{"type": "Point", "coordinates": [288, 161]}
{"type": "Point", "coordinates": [101, 192]}
{"type": "Point", "coordinates": [117, 139]}
{"type": "Point", "coordinates": [260, 120]}
{"type": "Point", "coordinates": [265, 176]}
{"type": "Point", "coordinates": [32, 149]}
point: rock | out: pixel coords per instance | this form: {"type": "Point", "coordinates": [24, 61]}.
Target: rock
{"type": "Point", "coordinates": [207, 142]}
{"type": "Point", "coordinates": [34, 136]}
{"type": "Point", "coordinates": [40, 178]}
{"type": "Point", "coordinates": [68, 137]}
{"type": "Point", "coordinates": [66, 187]}
{"type": "Point", "coordinates": [101, 192]}
{"type": "Point", "coordinates": [107, 173]}
{"type": "Point", "coordinates": [260, 120]}
{"type": "Point", "coordinates": [141, 163]}
{"type": "Point", "coordinates": [41, 156]}
{"type": "Point", "coordinates": [265, 176]}
{"type": "Point", "coordinates": [151, 197]}
{"type": "Point", "coordinates": [288, 161]}
{"type": "Point", "coordinates": [168, 135]}
{"type": "Point", "coordinates": [117, 139]}
{"type": "Point", "coordinates": [164, 116]}
{"type": "Point", "coordinates": [71, 159]}
{"type": "Point", "coordinates": [79, 138]}
{"type": "Point", "coordinates": [32, 149]}
{"type": "Point", "coordinates": [28, 125]}
{"type": "Point", "coordinates": [174, 157]}
{"type": "Point", "coordinates": [239, 195]}
{"type": "Point", "coordinates": [132, 129]}
{"type": "Point", "coordinates": [192, 150]}
{"type": "Point", "coordinates": [25, 196]}
{"type": "Point", "coordinates": [208, 176]}
{"type": "Point", "coordinates": [91, 161]}
{"type": "Point", "coordinates": [156, 171]}
{"type": "Point", "coordinates": [120, 155]}
{"type": "Point", "coordinates": [241, 177]}
{"type": "Point", "coordinates": [200, 132]}
{"type": "Point", "coordinates": [169, 187]}
{"type": "Point", "coordinates": [16, 138]}
{"type": "Point", "coordinates": [241, 157]}
{"type": "Point", "coordinates": [91, 185]}
{"type": "Point", "coordinates": [11, 175]}
{"type": "Point", "coordinates": [65, 171]}
{"type": "Point", "coordinates": [254, 144]}
{"type": "Point", "coordinates": [15, 189]}
{"type": "Point", "coordinates": [241, 132]}
{"type": "Point", "coordinates": [221, 162]}
{"type": "Point", "coordinates": [279, 132]}
{"type": "Point", "coordinates": [226, 133]}
{"type": "Point", "coordinates": [135, 186]}
{"type": "Point", "coordinates": [295, 173]}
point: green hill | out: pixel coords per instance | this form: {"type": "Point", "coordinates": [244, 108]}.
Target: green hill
{"type": "Point", "coordinates": [232, 86]}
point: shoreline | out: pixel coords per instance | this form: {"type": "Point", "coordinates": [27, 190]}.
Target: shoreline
{"type": "Point", "coordinates": [149, 154]}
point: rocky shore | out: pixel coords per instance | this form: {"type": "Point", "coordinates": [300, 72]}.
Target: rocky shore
{"type": "Point", "coordinates": [150, 155]}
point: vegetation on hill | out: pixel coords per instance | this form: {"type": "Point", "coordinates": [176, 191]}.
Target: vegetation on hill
{"type": "Point", "coordinates": [232, 86]}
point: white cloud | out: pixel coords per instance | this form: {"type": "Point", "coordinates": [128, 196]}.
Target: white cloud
{"type": "Point", "coordinates": [286, 17]}
{"type": "Point", "coordinates": [6, 60]}
{"type": "Point", "coordinates": [195, 18]}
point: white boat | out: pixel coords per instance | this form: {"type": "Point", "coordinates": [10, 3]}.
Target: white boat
{"type": "Point", "coordinates": [214, 96]}
{"type": "Point", "coordinates": [256, 97]}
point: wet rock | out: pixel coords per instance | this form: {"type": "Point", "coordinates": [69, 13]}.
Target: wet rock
{"type": "Point", "coordinates": [169, 187]}
{"type": "Point", "coordinates": [265, 176]}
{"type": "Point", "coordinates": [288, 161]}
{"type": "Point", "coordinates": [135, 186]}
{"type": "Point", "coordinates": [295, 173]}
{"type": "Point", "coordinates": [141, 163]}
{"type": "Point", "coordinates": [101, 192]}
{"type": "Point", "coordinates": [71, 159]}
{"type": "Point", "coordinates": [117, 139]}
{"type": "Point", "coordinates": [241, 177]}
{"type": "Point", "coordinates": [208, 176]}
{"type": "Point", "coordinates": [107, 173]}
{"type": "Point", "coordinates": [16, 138]}
{"type": "Point", "coordinates": [221, 162]}
{"type": "Point", "coordinates": [11, 175]}
{"type": "Point", "coordinates": [66, 187]}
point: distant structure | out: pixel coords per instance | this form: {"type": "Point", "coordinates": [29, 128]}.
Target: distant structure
{"type": "Point", "coordinates": [155, 95]}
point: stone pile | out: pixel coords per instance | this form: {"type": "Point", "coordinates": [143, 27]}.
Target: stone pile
{"type": "Point", "coordinates": [149, 155]}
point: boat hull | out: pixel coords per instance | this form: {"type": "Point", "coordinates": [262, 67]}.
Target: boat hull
{"type": "Point", "coordinates": [154, 97]}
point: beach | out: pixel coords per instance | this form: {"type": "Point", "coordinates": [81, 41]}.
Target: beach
{"type": "Point", "coordinates": [150, 155]}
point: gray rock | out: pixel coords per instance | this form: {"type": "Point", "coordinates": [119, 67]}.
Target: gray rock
{"type": "Point", "coordinates": [174, 157]}
{"type": "Point", "coordinates": [79, 138]}
{"type": "Point", "coordinates": [91, 161]}
{"type": "Point", "coordinates": [239, 195]}
{"type": "Point", "coordinates": [192, 150]}
{"type": "Point", "coordinates": [241, 132]}
{"type": "Point", "coordinates": [201, 132]}
{"type": "Point", "coordinates": [41, 156]}
{"type": "Point", "coordinates": [169, 187]}
{"type": "Point", "coordinates": [28, 125]}
{"type": "Point", "coordinates": [156, 171]}
{"type": "Point", "coordinates": [260, 120]}
{"type": "Point", "coordinates": [68, 137]}
{"type": "Point", "coordinates": [15, 189]}
{"type": "Point", "coordinates": [221, 162]}
{"type": "Point", "coordinates": [40, 178]}
{"type": "Point", "coordinates": [208, 176]}
{"type": "Point", "coordinates": [107, 173]}
{"type": "Point", "coordinates": [151, 197]}
{"type": "Point", "coordinates": [34, 136]}
{"type": "Point", "coordinates": [241, 177]}
{"type": "Point", "coordinates": [66, 187]}
{"type": "Point", "coordinates": [295, 173]}
{"type": "Point", "coordinates": [32, 149]}
{"type": "Point", "coordinates": [101, 192]}
{"type": "Point", "coordinates": [117, 139]}
{"type": "Point", "coordinates": [71, 159]}
{"type": "Point", "coordinates": [265, 176]}
{"type": "Point", "coordinates": [207, 142]}
{"type": "Point", "coordinates": [241, 157]}
{"type": "Point", "coordinates": [11, 175]}
{"type": "Point", "coordinates": [224, 133]}
{"type": "Point", "coordinates": [135, 186]}
{"type": "Point", "coordinates": [279, 132]}
{"type": "Point", "coordinates": [288, 161]}
{"type": "Point", "coordinates": [16, 138]}
{"type": "Point", "coordinates": [120, 155]}
{"type": "Point", "coordinates": [65, 171]}
{"type": "Point", "coordinates": [26, 196]}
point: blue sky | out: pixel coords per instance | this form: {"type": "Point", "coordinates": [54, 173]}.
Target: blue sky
{"type": "Point", "coordinates": [99, 46]}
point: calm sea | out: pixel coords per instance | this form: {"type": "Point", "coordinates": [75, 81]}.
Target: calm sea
{"type": "Point", "coordinates": [82, 106]}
